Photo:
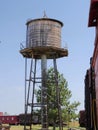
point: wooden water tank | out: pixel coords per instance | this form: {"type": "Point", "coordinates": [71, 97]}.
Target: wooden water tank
{"type": "Point", "coordinates": [43, 32]}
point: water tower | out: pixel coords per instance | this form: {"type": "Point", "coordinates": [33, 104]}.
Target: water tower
{"type": "Point", "coordinates": [43, 43]}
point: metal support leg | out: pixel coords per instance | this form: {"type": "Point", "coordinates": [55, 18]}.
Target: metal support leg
{"type": "Point", "coordinates": [58, 95]}
{"type": "Point", "coordinates": [34, 81]}
{"type": "Point", "coordinates": [27, 90]}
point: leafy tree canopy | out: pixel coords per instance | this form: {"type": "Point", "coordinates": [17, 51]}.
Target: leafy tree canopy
{"type": "Point", "coordinates": [67, 107]}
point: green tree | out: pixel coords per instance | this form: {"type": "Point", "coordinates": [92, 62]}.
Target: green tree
{"type": "Point", "coordinates": [65, 95]}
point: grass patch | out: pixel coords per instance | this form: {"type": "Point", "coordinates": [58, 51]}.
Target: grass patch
{"type": "Point", "coordinates": [37, 127]}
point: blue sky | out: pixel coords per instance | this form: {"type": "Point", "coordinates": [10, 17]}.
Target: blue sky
{"type": "Point", "coordinates": [75, 33]}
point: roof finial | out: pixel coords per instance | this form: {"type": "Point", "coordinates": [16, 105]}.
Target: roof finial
{"type": "Point", "coordinates": [44, 16]}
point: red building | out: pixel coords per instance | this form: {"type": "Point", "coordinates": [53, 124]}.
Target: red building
{"type": "Point", "coordinates": [91, 78]}
{"type": "Point", "coordinates": [93, 13]}
{"type": "Point", "coordinates": [1, 113]}
{"type": "Point", "coordinates": [93, 21]}
{"type": "Point", "coordinates": [11, 120]}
